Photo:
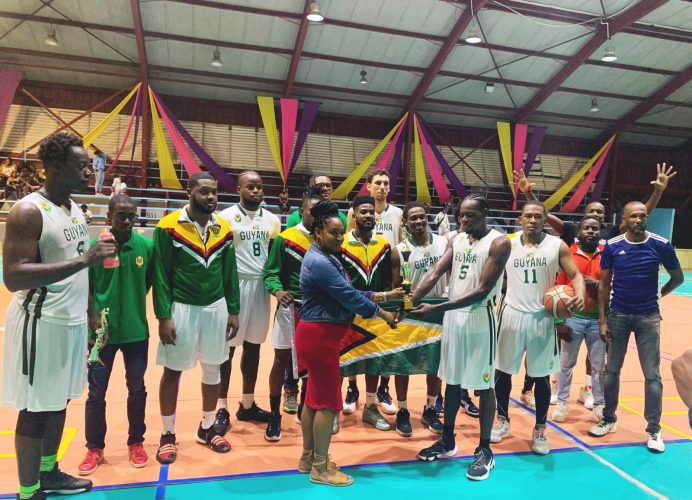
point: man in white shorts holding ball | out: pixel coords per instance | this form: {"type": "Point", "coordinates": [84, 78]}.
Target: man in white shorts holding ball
{"type": "Point", "coordinates": [524, 324]}
{"type": "Point", "coordinates": [254, 228]}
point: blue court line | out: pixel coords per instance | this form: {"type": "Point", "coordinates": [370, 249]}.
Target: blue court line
{"type": "Point", "coordinates": [162, 482]}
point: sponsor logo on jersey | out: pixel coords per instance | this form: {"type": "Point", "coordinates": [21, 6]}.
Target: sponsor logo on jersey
{"type": "Point", "coordinates": [486, 377]}
{"type": "Point", "coordinates": [74, 220]}
{"type": "Point", "coordinates": [237, 217]}
{"type": "Point", "coordinates": [139, 261]}
{"type": "Point", "coordinates": [44, 205]}
{"type": "Point", "coordinates": [214, 230]}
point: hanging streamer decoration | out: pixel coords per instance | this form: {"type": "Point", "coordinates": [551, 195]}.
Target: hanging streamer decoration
{"type": "Point", "coordinates": [384, 160]}
{"type": "Point", "coordinates": [169, 180]}
{"type": "Point", "coordinates": [289, 117]}
{"type": "Point", "coordinates": [306, 120]}
{"type": "Point", "coordinates": [422, 191]}
{"type": "Point", "coordinates": [93, 134]}
{"type": "Point", "coordinates": [597, 192]}
{"type": "Point", "coordinates": [558, 195]}
{"type": "Point", "coordinates": [573, 203]}
{"type": "Point", "coordinates": [439, 183]}
{"type": "Point", "coordinates": [349, 183]}
{"type": "Point", "coordinates": [456, 183]}
{"type": "Point", "coordinates": [135, 111]}
{"type": "Point", "coordinates": [266, 106]}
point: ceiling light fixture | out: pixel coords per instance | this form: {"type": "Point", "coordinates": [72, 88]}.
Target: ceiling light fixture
{"type": "Point", "coordinates": [609, 54]}
{"type": "Point", "coordinates": [216, 59]}
{"type": "Point", "coordinates": [594, 106]}
{"type": "Point", "coordinates": [474, 35]}
{"type": "Point", "coordinates": [51, 39]}
{"type": "Point", "coordinates": [315, 15]}
{"type": "Point", "coordinates": [363, 79]}
{"type": "Point", "coordinates": [489, 87]}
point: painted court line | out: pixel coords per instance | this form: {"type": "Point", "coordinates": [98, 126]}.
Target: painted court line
{"type": "Point", "coordinates": [663, 425]}
{"type": "Point", "coordinates": [585, 448]}
{"type": "Point", "coordinates": [68, 435]}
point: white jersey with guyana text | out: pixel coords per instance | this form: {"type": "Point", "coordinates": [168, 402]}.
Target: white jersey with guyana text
{"type": "Point", "coordinates": [388, 224]}
{"type": "Point", "coordinates": [422, 260]}
{"type": "Point", "coordinates": [531, 270]}
{"type": "Point", "coordinates": [64, 236]}
{"type": "Point", "coordinates": [467, 264]}
{"type": "Point", "coordinates": [252, 232]}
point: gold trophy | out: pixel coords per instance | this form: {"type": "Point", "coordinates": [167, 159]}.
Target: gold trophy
{"type": "Point", "coordinates": [100, 339]}
{"type": "Point", "coordinates": [406, 283]}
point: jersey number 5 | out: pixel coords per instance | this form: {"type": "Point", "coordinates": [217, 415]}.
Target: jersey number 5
{"type": "Point", "coordinates": [462, 272]}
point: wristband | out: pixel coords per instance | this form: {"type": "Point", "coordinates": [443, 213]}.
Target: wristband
{"type": "Point", "coordinates": [384, 296]}
{"type": "Point", "coordinates": [559, 321]}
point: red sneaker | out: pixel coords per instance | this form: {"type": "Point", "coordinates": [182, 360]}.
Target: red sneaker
{"type": "Point", "coordinates": [91, 462]}
{"type": "Point", "coordinates": [138, 457]}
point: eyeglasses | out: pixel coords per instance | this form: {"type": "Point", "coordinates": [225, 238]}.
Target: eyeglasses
{"type": "Point", "coordinates": [122, 217]}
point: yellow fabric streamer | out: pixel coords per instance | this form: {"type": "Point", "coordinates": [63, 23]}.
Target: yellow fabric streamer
{"type": "Point", "coordinates": [567, 186]}
{"type": "Point", "coordinates": [169, 179]}
{"type": "Point", "coordinates": [505, 134]}
{"type": "Point", "coordinates": [91, 136]}
{"type": "Point", "coordinates": [422, 191]}
{"type": "Point", "coordinates": [349, 183]}
{"type": "Point", "coordinates": [266, 106]}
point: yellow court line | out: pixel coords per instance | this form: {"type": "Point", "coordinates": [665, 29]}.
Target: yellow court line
{"type": "Point", "coordinates": [665, 398]}
{"type": "Point", "coordinates": [670, 413]}
{"type": "Point", "coordinates": [68, 435]}
{"type": "Point", "coordinates": [665, 426]}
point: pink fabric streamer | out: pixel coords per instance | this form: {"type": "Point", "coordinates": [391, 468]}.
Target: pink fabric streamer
{"type": "Point", "coordinates": [437, 179]}
{"type": "Point", "coordinates": [580, 193]}
{"type": "Point", "coordinates": [9, 80]}
{"type": "Point", "coordinates": [384, 160]}
{"type": "Point", "coordinates": [186, 157]}
{"type": "Point", "coordinates": [289, 116]}
{"type": "Point", "coordinates": [520, 133]}
{"type": "Point", "coordinates": [127, 133]}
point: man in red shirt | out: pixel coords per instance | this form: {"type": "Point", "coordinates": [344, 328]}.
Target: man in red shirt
{"type": "Point", "coordinates": [586, 253]}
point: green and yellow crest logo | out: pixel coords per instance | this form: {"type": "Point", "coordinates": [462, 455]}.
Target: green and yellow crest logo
{"type": "Point", "coordinates": [44, 205]}
{"type": "Point", "coordinates": [486, 377]}
{"type": "Point", "coordinates": [74, 220]}
{"type": "Point", "coordinates": [214, 230]}
{"type": "Point", "coordinates": [237, 217]}
{"type": "Point", "coordinates": [139, 261]}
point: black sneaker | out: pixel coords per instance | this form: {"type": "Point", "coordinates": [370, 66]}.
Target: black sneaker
{"type": "Point", "coordinates": [213, 439]}
{"type": "Point", "coordinates": [167, 452]}
{"type": "Point", "coordinates": [441, 449]}
{"type": "Point", "coordinates": [483, 463]}
{"type": "Point", "coordinates": [254, 413]}
{"type": "Point", "coordinates": [384, 401]}
{"type": "Point", "coordinates": [467, 406]}
{"type": "Point", "coordinates": [56, 481]}
{"type": "Point", "coordinates": [222, 422]}
{"type": "Point", "coordinates": [403, 422]}
{"type": "Point", "coordinates": [439, 405]}
{"type": "Point", "coordinates": [273, 432]}
{"type": "Point", "coordinates": [431, 419]}
{"type": "Point", "coordinates": [38, 495]}
{"type": "Point", "coordinates": [351, 399]}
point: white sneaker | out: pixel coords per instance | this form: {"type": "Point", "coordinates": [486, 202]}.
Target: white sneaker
{"type": "Point", "coordinates": [655, 442]}
{"type": "Point", "coordinates": [350, 408]}
{"type": "Point", "coordinates": [597, 414]}
{"type": "Point", "coordinates": [528, 399]}
{"type": "Point", "coordinates": [586, 397]}
{"type": "Point", "coordinates": [560, 413]}
{"type": "Point", "coordinates": [384, 401]}
{"type": "Point", "coordinates": [553, 392]}
{"type": "Point", "coordinates": [500, 430]}
{"type": "Point", "coordinates": [539, 442]}
{"type": "Point", "coordinates": [603, 428]}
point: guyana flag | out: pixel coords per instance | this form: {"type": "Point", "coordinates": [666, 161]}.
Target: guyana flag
{"type": "Point", "coordinates": [412, 348]}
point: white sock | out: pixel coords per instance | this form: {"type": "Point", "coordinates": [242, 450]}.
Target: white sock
{"type": "Point", "coordinates": [587, 381]}
{"type": "Point", "coordinates": [402, 404]}
{"type": "Point", "coordinates": [370, 398]}
{"type": "Point", "coordinates": [223, 403]}
{"type": "Point", "coordinates": [168, 423]}
{"type": "Point", "coordinates": [431, 402]}
{"type": "Point", "coordinates": [208, 419]}
{"type": "Point", "coordinates": [247, 400]}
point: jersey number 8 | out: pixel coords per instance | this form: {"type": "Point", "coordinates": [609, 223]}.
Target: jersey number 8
{"type": "Point", "coordinates": [256, 248]}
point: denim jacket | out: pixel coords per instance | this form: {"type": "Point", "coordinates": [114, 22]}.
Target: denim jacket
{"type": "Point", "coordinates": [327, 292]}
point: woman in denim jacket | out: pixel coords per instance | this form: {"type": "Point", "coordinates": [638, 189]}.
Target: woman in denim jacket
{"type": "Point", "coordinates": [329, 305]}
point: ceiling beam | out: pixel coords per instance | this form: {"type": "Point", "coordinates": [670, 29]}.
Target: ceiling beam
{"type": "Point", "coordinates": [297, 50]}
{"type": "Point", "coordinates": [446, 49]}
{"type": "Point", "coordinates": [144, 91]}
{"type": "Point", "coordinates": [618, 24]}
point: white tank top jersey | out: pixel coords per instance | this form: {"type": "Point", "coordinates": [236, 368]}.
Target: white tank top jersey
{"type": "Point", "coordinates": [531, 270]}
{"type": "Point", "coordinates": [467, 264]}
{"type": "Point", "coordinates": [422, 260]}
{"type": "Point", "coordinates": [388, 224]}
{"type": "Point", "coordinates": [64, 236]}
{"type": "Point", "coordinates": [252, 232]}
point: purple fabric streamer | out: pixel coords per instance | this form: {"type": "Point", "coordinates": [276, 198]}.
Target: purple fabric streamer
{"type": "Point", "coordinates": [601, 179]}
{"type": "Point", "coordinates": [537, 135]}
{"type": "Point", "coordinates": [446, 169]}
{"type": "Point", "coordinates": [225, 180]}
{"type": "Point", "coordinates": [9, 81]}
{"type": "Point", "coordinates": [395, 167]}
{"type": "Point", "coordinates": [306, 119]}
{"type": "Point", "coordinates": [134, 137]}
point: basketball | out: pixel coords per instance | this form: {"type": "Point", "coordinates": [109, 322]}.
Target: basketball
{"type": "Point", "coordinates": [555, 301]}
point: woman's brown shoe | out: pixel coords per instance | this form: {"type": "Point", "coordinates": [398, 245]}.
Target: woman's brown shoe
{"type": "Point", "coordinates": [307, 459]}
{"type": "Point", "coordinates": [323, 473]}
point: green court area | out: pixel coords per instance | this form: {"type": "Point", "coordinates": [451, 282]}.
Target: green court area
{"type": "Point", "coordinates": [621, 471]}
{"type": "Point", "coordinates": [685, 289]}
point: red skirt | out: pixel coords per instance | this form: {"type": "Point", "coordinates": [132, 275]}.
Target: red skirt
{"type": "Point", "coordinates": [317, 346]}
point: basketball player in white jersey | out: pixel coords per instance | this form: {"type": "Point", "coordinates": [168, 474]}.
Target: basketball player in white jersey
{"type": "Point", "coordinates": [421, 250]}
{"type": "Point", "coordinates": [46, 254]}
{"type": "Point", "coordinates": [525, 325]}
{"type": "Point", "coordinates": [476, 257]}
{"type": "Point", "coordinates": [253, 230]}
{"type": "Point", "coordinates": [387, 225]}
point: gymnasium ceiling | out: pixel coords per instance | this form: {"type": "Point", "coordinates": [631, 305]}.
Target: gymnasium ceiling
{"type": "Point", "coordinates": [543, 57]}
